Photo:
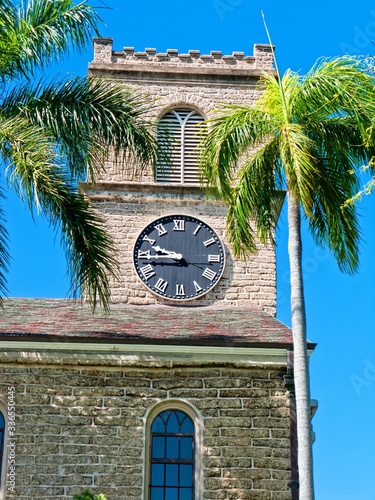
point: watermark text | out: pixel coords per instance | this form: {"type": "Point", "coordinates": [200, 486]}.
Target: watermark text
{"type": "Point", "coordinates": [366, 378]}
{"type": "Point", "coordinates": [363, 37]}
{"type": "Point", "coordinates": [11, 441]}
{"type": "Point", "coordinates": [222, 7]}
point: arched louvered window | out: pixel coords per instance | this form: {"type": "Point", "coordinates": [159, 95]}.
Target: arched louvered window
{"type": "Point", "coordinates": [179, 138]}
{"type": "Point", "coordinates": [172, 462]}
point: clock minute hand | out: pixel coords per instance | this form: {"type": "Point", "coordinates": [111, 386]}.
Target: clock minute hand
{"type": "Point", "coordinates": [172, 255]}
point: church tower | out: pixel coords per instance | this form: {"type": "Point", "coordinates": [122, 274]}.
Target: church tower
{"type": "Point", "coordinates": [185, 89]}
{"type": "Point", "coordinates": [185, 390]}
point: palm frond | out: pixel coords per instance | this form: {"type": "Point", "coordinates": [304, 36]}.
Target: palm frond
{"type": "Point", "coordinates": [323, 127]}
{"type": "Point", "coordinates": [230, 135]}
{"type": "Point", "coordinates": [42, 31]}
{"type": "Point", "coordinates": [34, 171]}
{"type": "Point", "coordinates": [278, 96]}
{"type": "Point", "coordinates": [339, 85]}
{"type": "Point", "coordinates": [252, 209]}
{"type": "Point", "coordinates": [89, 249]}
{"type": "Point", "coordinates": [29, 156]}
{"type": "Point", "coordinates": [9, 46]}
{"type": "Point", "coordinates": [295, 149]}
{"type": "Point", "coordinates": [87, 118]}
{"type": "Point", "coordinates": [333, 222]}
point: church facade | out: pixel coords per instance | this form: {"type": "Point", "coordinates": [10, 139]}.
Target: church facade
{"type": "Point", "coordinates": [185, 390]}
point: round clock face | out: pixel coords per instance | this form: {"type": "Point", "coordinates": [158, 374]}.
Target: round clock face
{"type": "Point", "coordinates": [179, 257]}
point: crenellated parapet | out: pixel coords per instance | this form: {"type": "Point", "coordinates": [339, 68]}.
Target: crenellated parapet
{"type": "Point", "coordinates": [261, 60]}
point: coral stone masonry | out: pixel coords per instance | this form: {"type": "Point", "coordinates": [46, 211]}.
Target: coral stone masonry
{"type": "Point", "coordinates": [129, 200]}
{"type": "Point", "coordinates": [128, 207]}
{"type": "Point", "coordinates": [261, 59]}
{"type": "Point", "coordinates": [85, 386]}
{"type": "Point", "coordinates": [159, 399]}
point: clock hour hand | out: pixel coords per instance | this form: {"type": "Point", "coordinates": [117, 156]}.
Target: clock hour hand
{"type": "Point", "coordinates": [153, 257]}
{"type": "Point", "coordinates": [167, 253]}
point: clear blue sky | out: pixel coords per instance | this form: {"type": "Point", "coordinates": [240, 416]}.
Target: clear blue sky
{"type": "Point", "coordinates": [340, 308]}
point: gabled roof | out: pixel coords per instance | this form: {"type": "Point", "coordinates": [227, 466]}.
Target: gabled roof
{"type": "Point", "coordinates": [69, 321]}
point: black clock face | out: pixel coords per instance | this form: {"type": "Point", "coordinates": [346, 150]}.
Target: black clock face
{"type": "Point", "coordinates": [179, 257]}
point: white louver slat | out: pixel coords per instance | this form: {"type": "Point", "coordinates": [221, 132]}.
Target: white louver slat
{"type": "Point", "coordinates": [178, 135]}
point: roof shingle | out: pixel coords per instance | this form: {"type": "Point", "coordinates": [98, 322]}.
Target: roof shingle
{"type": "Point", "coordinates": [66, 320]}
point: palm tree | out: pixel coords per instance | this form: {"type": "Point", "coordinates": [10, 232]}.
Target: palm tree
{"type": "Point", "coordinates": [307, 135]}
{"type": "Point", "coordinates": [52, 133]}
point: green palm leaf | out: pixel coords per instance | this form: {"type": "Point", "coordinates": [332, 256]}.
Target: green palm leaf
{"type": "Point", "coordinates": [87, 118]}
{"type": "Point", "coordinates": [34, 171]}
{"type": "Point", "coordinates": [40, 31]}
{"type": "Point", "coordinates": [53, 132]}
{"type": "Point", "coordinates": [310, 134]}
{"type": "Point", "coordinates": [326, 114]}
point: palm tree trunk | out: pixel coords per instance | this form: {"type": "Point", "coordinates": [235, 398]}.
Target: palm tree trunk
{"type": "Point", "coordinates": [301, 368]}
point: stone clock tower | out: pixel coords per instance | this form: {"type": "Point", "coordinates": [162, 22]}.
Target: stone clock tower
{"type": "Point", "coordinates": [185, 390]}
{"type": "Point", "coordinates": [185, 88]}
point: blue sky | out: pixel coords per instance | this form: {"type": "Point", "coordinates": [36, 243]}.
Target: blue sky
{"type": "Point", "coordinates": [340, 308]}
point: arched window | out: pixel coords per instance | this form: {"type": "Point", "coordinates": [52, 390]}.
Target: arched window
{"type": "Point", "coordinates": [172, 457]}
{"type": "Point", "coordinates": [179, 138]}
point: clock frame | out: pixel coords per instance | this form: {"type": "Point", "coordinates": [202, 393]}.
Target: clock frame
{"type": "Point", "coordinates": [179, 257]}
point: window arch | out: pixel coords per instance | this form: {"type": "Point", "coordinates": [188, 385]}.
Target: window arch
{"type": "Point", "coordinates": [179, 138]}
{"type": "Point", "coordinates": [173, 452]}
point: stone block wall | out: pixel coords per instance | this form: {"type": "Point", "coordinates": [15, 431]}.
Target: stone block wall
{"type": "Point", "coordinates": [250, 283]}
{"type": "Point", "coordinates": [84, 427]}
{"type": "Point", "coordinates": [200, 82]}
{"type": "Point", "coordinates": [261, 59]}
{"type": "Point", "coordinates": [193, 80]}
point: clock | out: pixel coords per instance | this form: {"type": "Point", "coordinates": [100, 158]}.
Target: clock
{"type": "Point", "coordinates": [179, 257]}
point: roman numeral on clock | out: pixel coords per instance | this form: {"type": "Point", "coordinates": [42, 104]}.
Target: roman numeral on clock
{"type": "Point", "coordinates": [180, 289]}
{"type": "Point", "coordinates": [209, 242]}
{"type": "Point", "coordinates": [161, 285]}
{"type": "Point", "coordinates": [213, 258]}
{"type": "Point", "coordinates": [197, 287]}
{"type": "Point", "coordinates": [143, 254]}
{"type": "Point", "coordinates": [197, 229]}
{"type": "Point", "coordinates": [161, 229]}
{"type": "Point", "coordinates": [146, 238]}
{"type": "Point", "coordinates": [209, 274]}
{"type": "Point", "coordinates": [147, 271]}
{"type": "Point", "coordinates": [179, 225]}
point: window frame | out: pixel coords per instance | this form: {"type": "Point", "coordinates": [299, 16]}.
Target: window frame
{"type": "Point", "coordinates": [181, 166]}
{"type": "Point", "coordinates": [197, 420]}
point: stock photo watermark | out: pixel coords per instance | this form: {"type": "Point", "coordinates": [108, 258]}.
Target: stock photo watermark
{"type": "Point", "coordinates": [11, 441]}
{"type": "Point", "coordinates": [365, 379]}
{"type": "Point", "coordinates": [223, 7]}
{"type": "Point", "coordinates": [363, 37]}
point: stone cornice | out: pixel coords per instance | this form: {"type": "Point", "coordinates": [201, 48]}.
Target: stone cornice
{"type": "Point", "coordinates": [169, 72]}
{"type": "Point", "coordinates": [138, 355]}
{"type": "Point", "coordinates": [124, 189]}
